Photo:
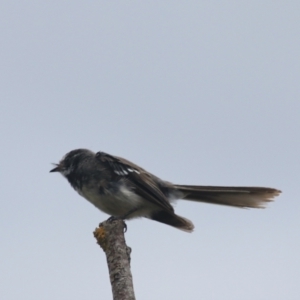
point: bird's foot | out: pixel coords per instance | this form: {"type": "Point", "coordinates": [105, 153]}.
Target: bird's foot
{"type": "Point", "coordinates": [114, 218]}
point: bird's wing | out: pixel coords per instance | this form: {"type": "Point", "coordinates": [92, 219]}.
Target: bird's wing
{"type": "Point", "coordinates": [142, 182]}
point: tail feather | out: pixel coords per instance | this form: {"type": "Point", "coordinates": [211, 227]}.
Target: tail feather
{"type": "Point", "coordinates": [252, 197]}
{"type": "Point", "coordinates": [170, 218]}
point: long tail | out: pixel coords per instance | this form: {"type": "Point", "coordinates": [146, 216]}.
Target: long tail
{"type": "Point", "coordinates": [254, 197]}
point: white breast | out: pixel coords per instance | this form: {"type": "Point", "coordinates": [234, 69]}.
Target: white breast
{"type": "Point", "coordinates": [119, 203]}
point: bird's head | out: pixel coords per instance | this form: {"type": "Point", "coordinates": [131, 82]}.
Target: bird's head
{"type": "Point", "coordinates": [71, 161]}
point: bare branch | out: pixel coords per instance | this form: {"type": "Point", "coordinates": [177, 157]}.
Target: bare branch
{"type": "Point", "coordinates": [110, 236]}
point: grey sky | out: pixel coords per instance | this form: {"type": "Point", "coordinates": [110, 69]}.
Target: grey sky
{"type": "Point", "coordinates": [197, 92]}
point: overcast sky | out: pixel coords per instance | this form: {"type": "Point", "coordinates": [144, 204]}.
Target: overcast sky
{"type": "Point", "coordinates": [197, 92]}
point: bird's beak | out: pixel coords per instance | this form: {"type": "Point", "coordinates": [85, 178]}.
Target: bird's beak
{"type": "Point", "coordinates": [56, 169]}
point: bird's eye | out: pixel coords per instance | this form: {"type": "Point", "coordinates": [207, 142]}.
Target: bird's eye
{"type": "Point", "coordinates": [66, 171]}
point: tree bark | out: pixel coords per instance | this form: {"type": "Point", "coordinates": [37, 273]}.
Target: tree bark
{"type": "Point", "coordinates": [110, 237]}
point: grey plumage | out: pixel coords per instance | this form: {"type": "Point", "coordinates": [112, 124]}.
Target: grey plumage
{"type": "Point", "coordinates": [122, 189]}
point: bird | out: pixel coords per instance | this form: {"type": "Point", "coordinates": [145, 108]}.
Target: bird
{"type": "Point", "coordinates": [126, 191]}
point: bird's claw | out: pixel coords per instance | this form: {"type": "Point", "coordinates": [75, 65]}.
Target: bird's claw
{"type": "Point", "coordinates": [113, 218]}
